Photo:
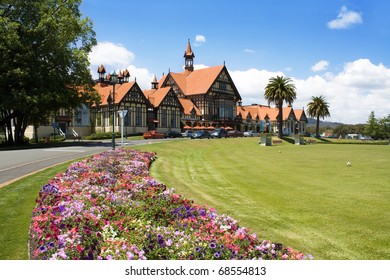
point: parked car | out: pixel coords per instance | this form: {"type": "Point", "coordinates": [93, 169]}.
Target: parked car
{"type": "Point", "coordinates": [235, 133]}
{"type": "Point", "coordinates": [201, 134]}
{"type": "Point", "coordinates": [153, 134]}
{"type": "Point", "coordinates": [219, 133]}
{"type": "Point", "coordinates": [251, 133]}
{"type": "Point", "coordinates": [172, 134]}
{"type": "Point", "coordinates": [187, 133]}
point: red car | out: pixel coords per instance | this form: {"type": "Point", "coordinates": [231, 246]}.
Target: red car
{"type": "Point", "coordinates": [153, 134]}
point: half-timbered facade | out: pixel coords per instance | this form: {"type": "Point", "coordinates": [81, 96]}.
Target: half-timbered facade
{"type": "Point", "coordinates": [165, 111]}
{"type": "Point", "coordinates": [128, 97]}
{"type": "Point", "coordinates": [211, 90]}
{"type": "Point", "coordinates": [263, 118]}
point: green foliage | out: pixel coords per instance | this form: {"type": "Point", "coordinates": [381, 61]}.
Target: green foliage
{"type": "Point", "coordinates": [17, 202]}
{"type": "Point", "coordinates": [343, 130]}
{"type": "Point", "coordinates": [277, 91]}
{"type": "Point", "coordinates": [318, 108]}
{"type": "Point", "coordinates": [43, 60]}
{"type": "Point", "coordinates": [377, 128]}
{"type": "Point", "coordinates": [102, 135]}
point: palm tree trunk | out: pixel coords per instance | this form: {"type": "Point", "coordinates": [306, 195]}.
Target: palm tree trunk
{"type": "Point", "coordinates": [318, 127]}
{"type": "Point", "coordinates": [280, 119]}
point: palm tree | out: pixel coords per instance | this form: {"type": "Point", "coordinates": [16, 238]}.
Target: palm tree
{"type": "Point", "coordinates": [317, 108]}
{"type": "Point", "coordinates": [280, 89]}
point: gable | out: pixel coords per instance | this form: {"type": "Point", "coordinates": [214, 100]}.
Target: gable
{"type": "Point", "coordinates": [170, 100]}
{"type": "Point", "coordinates": [163, 97]}
{"type": "Point", "coordinates": [176, 81]}
{"type": "Point", "coordinates": [224, 84]}
{"type": "Point", "coordinates": [134, 95]}
{"type": "Point", "coordinates": [126, 92]}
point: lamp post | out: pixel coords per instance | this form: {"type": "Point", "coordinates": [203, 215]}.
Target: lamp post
{"type": "Point", "coordinates": [113, 79]}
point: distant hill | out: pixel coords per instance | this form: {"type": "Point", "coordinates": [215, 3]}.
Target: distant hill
{"type": "Point", "coordinates": [312, 122]}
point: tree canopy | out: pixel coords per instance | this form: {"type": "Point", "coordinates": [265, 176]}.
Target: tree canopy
{"type": "Point", "coordinates": [318, 108]}
{"type": "Point", "coordinates": [377, 128]}
{"type": "Point", "coordinates": [277, 91]}
{"type": "Point", "coordinates": [43, 60]}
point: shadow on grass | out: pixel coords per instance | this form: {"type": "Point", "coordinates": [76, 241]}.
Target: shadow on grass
{"type": "Point", "coordinates": [53, 145]}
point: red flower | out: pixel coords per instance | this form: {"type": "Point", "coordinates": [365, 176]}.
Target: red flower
{"type": "Point", "coordinates": [79, 248]}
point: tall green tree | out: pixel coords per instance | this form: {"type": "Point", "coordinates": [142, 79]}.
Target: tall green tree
{"type": "Point", "coordinates": [372, 126]}
{"type": "Point", "coordinates": [318, 108]}
{"type": "Point", "coordinates": [277, 91]}
{"type": "Point", "coordinates": [43, 60]}
{"type": "Point", "coordinates": [377, 128]}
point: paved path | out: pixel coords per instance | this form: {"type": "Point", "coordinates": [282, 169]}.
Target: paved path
{"type": "Point", "coordinates": [16, 164]}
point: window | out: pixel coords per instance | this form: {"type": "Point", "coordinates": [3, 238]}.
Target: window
{"type": "Point", "coordinates": [138, 116]}
{"type": "Point", "coordinates": [163, 117]}
{"type": "Point", "coordinates": [173, 119]}
{"type": "Point", "coordinates": [222, 86]}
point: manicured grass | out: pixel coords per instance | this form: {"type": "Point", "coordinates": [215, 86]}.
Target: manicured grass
{"type": "Point", "coordinates": [302, 196]}
{"type": "Point", "coordinates": [305, 197]}
{"type": "Point", "coordinates": [17, 202]}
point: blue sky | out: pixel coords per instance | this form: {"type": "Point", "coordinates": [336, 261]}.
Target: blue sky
{"type": "Point", "coordinates": [335, 48]}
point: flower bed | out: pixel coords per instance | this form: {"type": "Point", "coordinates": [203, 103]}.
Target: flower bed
{"type": "Point", "coordinates": [108, 207]}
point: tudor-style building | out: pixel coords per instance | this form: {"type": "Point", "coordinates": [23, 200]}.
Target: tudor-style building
{"type": "Point", "coordinates": [263, 118]}
{"type": "Point", "coordinates": [157, 108]}
{"type": "Point", "coordinates": [204, 97]}
{"type": "Point", "coordinates": [211, 91]}
{"type": "Point", "coordinates": [128, 96]}
{"type": "Point", "coordinates": [165, 109]}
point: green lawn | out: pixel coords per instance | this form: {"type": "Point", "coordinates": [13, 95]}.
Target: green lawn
{"type": "Point", "coordinates": [302, 196]}
{"type": "Point", "coordinates": [305, 197]}
{"type": "Point", "coordinates": [17, 202]}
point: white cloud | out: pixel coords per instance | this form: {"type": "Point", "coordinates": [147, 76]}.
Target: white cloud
{"type": "Point", "coordinates": [110, 54]}
{"type": "Point", "coordinates": [249, 51]}
{"type": "Point", "coordinates": [199, 40]}
{"type": "Point", "coordinates": [352, 93]}
{"type": "Point", "coordinates": [345, 19]}
{"type": "Point", "coordinates": [251, 83]}
{"type": "Point", "coordinates": [199, 66]}
{"type": "Point", "coordinates": [320, 66]}
{"type": "Point", "coordinates": [116, 57]}
{"type": "Point", "coordinates": [141, 75]}
{"type": "Point", "coordinates": [361, 87]}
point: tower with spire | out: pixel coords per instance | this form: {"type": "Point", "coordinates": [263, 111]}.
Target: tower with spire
{"type": "Point", "coordinates": [189, 58]}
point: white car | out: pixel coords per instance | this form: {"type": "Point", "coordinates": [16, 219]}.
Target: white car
{"type": "Point", "coordinates": [187, 133]}
{"type": "Point", "coordinates": [251, 133]}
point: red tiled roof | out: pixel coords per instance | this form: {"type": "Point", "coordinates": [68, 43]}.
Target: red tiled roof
{"type": "Point", "coordinates": [263, 111]}
{"type": "Point", "coordinates": [156, 96]}
{"type": "Point", "coordinates": [105, 90]}
{"type": "Point", "coordinates": [200, 81]}
{"type": "Point", "coordinates": [195, 82]}
{"type": "Point", "coordinates": [188, 105]}
{"type": "Point", "coordinates": [299, 113]}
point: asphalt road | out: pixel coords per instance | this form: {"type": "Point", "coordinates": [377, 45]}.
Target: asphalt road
{"type": "Point", "coordinates": [16, 164]}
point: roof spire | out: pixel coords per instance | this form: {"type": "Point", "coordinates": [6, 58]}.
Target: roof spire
{"type": "Point", "coordinates": [189, 58]}
{"type": "Point", "coordinates": [154, 83]}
